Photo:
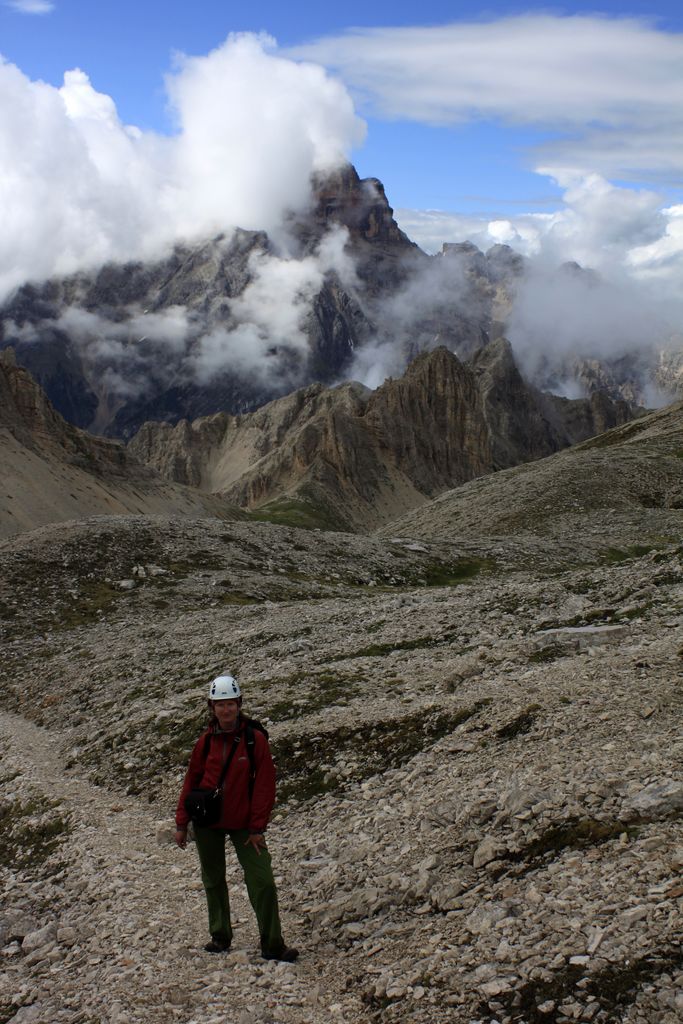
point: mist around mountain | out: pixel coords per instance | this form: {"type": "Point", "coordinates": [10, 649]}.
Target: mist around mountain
{"type": "Point", "coordinates": [338, 293]}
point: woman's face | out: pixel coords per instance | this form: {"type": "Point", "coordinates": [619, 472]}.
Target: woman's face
{"type": "Point", "coordinates": [226, 711]}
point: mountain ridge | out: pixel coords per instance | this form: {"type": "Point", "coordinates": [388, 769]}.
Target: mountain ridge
{"type": "Point", "coordinates": [53, 471]}
{"type": "Point", "coordinates": [362, 456]}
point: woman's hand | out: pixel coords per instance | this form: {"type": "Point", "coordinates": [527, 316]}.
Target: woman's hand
{"type": "Point", "coordinates": [257, 840]}
{"type": "Point", "coordinates": [181, 838]}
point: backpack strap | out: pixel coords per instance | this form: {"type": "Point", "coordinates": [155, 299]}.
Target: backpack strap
{"type": "Point", "coordinates": [224, 772]}
{"type": "Point", "coordinates": [226, 765]}
{"type": "Point", "coordinates": [250, 724]}
{"type": "Point", "coordinates": [251, 742]}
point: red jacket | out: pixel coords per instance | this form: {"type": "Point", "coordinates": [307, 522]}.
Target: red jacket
{"type": "Point", "coordinates": [203, 773]}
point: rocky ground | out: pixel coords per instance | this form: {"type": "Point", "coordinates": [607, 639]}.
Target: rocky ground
{"type": "Point", "coordinates": [480, 760]}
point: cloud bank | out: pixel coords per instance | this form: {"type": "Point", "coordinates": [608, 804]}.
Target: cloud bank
{"type": "Point", "coordinates": [31, 6]}
{"type": "Point", "coordinates": [260, 336]}
{"type": "Point", "coordinates": [266, 340]}
{"type": "Point", "coordinates": [611, 88]}
{"type": "Point", "coordinates": [627, 234]}
{"type": "Point", "coordinates": [608, 92]}
{"type": "Point", "coordinates": [81, 188]}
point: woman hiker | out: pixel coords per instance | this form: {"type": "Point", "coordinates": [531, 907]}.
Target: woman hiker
{"type": "Point", "coordinates": [235, 753]}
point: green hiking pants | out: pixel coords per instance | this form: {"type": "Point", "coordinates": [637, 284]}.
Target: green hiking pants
{"type": "Point", "coordinates": [258, 875]}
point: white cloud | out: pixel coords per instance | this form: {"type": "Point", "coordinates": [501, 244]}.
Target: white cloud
{"type": "Point", "coordinates": [632, 306]}
{"type": "Point", "coordinates": [612, 88]}
{"type": "Point", "coordinates": [31, 6]}
{"type": "Point", "coordinates": [266, 339]}
{"type": "Point", "coordinates": [627, 234]}
{"type": "Point", "coordinates": [98, 337]}
{"type": "Point", "coordinates": [571, 314]}
{"type": "Point", "coordinates": [431, 228]}
{"type": "Point", "coordinates": [81, 188]}
{"type": "Point", "coordinates": [263, 337]}
{"type": "Point", "coordinates": [261, 124]}
{"type": "Point", "coordinates": [124, 356]}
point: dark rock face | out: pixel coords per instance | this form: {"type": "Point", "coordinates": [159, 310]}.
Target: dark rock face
{"type": "Point", "coordinates": [361, 205]}
{"type": "Point", "coordinates": [28, 415]}
{"type": "Point", "coordinates": [107, 373]}
{"type": "Point", "coordinates": [184, 399]}
{"type": "Point", "coordinates": [431, 423]}
{"type": "Point", "coordinates": [528, 424]}
{"type": "Point", "coordinates": [520, 427]}
{"type": "Point", "coordinates": [57, 366]}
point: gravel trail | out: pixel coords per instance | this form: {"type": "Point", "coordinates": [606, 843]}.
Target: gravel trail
{"type": "Point", "coordinates": [130, 916]}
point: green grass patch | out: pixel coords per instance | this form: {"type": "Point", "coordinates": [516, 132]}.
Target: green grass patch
{"type": "Point", "coordinates": [30, 833]}
{"type": "Point", "coordinates": [315, 692]}
{"type": "Point", "coordinates": [614, 556]}
{"type": "Point", "coordinates": [438, 574]}
{"type": "Point", "coordinates": [375, 626]}
{"type": "Point", "coordinates": [123, 758]}
{"type": "Point", "coordinates": [633, 613]}
{"type": "Point", "coordinates": [239, 597]}
{"type": "Point", "coordinates": [95, 599]}
{"type": "Point", "coordinates": [380, 650]}
{"type": "Point", "coordinates": [519, 725]}
{"type": "Point", "coordinates": [597, 616]}
{"type": "Point", "coordinates": [588, 618]}
{"type": "Point", "coordinates": [175, 739]}
{"type": "Point", "coordinates": [365, 750]}
{"type": "Point", "coordinates": [544, 655]}
{"type": "Point", "coordinates": [298, 512]}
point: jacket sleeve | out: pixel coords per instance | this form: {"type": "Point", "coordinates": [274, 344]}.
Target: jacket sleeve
{"type": "Point", "coordinates": [263, 796]}
{"type": "Point", "coordinates": [193, 777]}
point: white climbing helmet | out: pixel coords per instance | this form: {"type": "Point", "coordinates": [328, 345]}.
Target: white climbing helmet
{"type": "Point", "coordinates": [224, 688]}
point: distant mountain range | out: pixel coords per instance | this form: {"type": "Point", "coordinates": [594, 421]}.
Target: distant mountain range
{"type": "Point", "coordinates": [128, 343]}
{"type": "Point", "coordinates": [344, 457]}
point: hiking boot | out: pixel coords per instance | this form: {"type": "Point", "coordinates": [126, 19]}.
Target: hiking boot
{"type": "Point", "coordinates": [286, 955]}
{"type": "Point", "coordinates": [217, 946]}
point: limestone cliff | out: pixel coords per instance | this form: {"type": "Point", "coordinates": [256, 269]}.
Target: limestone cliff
{"type": "Point", "coordinates": [526, 423]}
{"type": "Point", "coordinates": [364, 457]}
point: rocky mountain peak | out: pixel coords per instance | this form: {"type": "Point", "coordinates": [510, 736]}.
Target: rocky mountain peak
{"type": "Point", "coordinates": [359, 204]}
{"type": "Point", "coordinates": [503, 263]}
{"type": "Point", "coordinates": [134, 342]}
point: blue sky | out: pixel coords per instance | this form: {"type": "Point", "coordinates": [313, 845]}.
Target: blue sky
{"type": "Point", "coordinates": [127, 47]}
{"type": "Point", "coordinates": [556, 129]}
